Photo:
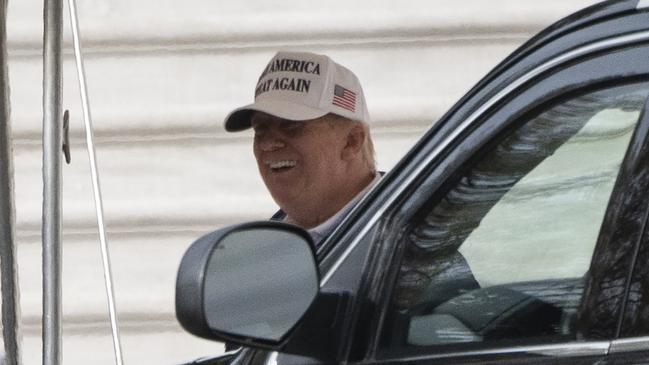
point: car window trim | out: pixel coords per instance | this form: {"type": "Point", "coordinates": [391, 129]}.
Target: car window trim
{"type": "Point", "coordinates": [541, 69]}
{"type": "Point", "coordinates": [637, 170]}
{"type": "Point", "coordinates": [629, 345]}
{"type": "Point", "coordinates": [594, 348]}
{"type": "Point", "coordinates": [636, 258]}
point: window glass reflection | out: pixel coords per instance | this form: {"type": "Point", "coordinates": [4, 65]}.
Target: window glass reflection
{"type": "Point", "coordinates": [502, 255]}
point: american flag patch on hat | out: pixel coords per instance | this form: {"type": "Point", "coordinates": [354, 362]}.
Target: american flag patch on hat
{"type": "Point", "coordinates": [344, 98]}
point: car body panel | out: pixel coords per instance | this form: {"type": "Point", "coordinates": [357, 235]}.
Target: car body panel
{"type": "Point", "coordinates": [636, 314]}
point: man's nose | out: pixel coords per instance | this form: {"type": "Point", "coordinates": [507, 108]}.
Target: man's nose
{"type": "Point", "coordinates": [269, 143]}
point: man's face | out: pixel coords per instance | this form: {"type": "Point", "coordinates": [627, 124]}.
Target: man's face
{"type": "Point", "coordinates": [299, 161]}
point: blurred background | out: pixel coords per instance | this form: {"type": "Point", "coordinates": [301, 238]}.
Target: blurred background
{"type": "Point", "coordinates": [161, 76]}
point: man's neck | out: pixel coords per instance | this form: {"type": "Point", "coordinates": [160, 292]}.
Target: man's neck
{"type": "Point", "coordinates": [311, 214]}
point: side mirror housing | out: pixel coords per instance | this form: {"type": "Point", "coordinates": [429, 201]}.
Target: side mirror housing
{"type": "Point", "coordinates": [249, 284]}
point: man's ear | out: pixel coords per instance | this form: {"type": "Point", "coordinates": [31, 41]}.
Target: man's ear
{"type": "Point", "coordinates": [354, 142]}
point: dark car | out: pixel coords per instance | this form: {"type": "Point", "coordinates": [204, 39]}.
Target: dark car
{"type": "Point", "coordinates": [514, 232]}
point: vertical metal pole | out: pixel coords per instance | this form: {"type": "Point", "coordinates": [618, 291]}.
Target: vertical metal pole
{"type": "Point", "coordinates": [52, 177]}
{"type": "Point", "coordinates": [8, 263]}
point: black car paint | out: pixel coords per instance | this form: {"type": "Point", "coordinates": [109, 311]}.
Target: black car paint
{"type": "Point", "coordinates": [618, 245]}
{"type": "Point", "coordinates": [636, 311]}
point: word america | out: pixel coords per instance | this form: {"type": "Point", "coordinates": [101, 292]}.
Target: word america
{"type": "Point", "coordinates": [290, 65]}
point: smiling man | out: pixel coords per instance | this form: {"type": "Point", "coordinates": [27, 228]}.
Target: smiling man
{"type": "Point", "coordinates": [312, 140]}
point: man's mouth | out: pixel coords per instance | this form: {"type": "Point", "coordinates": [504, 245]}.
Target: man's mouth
{"type": "Point", "coordinates": [280, 165]}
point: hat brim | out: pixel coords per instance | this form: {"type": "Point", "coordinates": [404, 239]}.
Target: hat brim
{"type": "Point", "coordinates": [239, 119]}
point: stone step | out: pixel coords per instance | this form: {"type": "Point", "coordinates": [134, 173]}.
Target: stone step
{"type": "Point", "coordinates": [138, 97]}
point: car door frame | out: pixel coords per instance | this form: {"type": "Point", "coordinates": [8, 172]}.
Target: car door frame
{"type": "Point", "coordinates": [632, 340]}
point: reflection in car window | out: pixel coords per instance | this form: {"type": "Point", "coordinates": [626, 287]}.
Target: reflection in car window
{"type": "Point", "coordinates": [502, 254]}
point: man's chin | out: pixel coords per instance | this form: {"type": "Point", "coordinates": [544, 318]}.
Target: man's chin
{"type": "Point", "coordinates": [284, 196]}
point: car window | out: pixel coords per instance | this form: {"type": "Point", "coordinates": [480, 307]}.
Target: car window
{"type": "Point", "coordinates": [500, 255]}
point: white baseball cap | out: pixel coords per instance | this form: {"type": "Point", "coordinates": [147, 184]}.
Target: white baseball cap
{"type": "Point", "coordinates": [300, 86]}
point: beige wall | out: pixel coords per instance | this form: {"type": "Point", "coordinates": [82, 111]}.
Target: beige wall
{"type": "Point", "coordinates": [162, 74]}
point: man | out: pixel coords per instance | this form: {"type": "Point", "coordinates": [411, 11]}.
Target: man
{"type": "Point", "coordinates": [312, 142]}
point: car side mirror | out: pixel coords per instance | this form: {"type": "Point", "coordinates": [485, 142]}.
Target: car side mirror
{"type": "Point", "coordinates": [249, 284]}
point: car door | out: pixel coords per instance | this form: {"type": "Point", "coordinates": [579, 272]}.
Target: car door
{"type": "Point", "coordinates": [500, 238]}
{"type": "Point", "coordinates": [525, 252]}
